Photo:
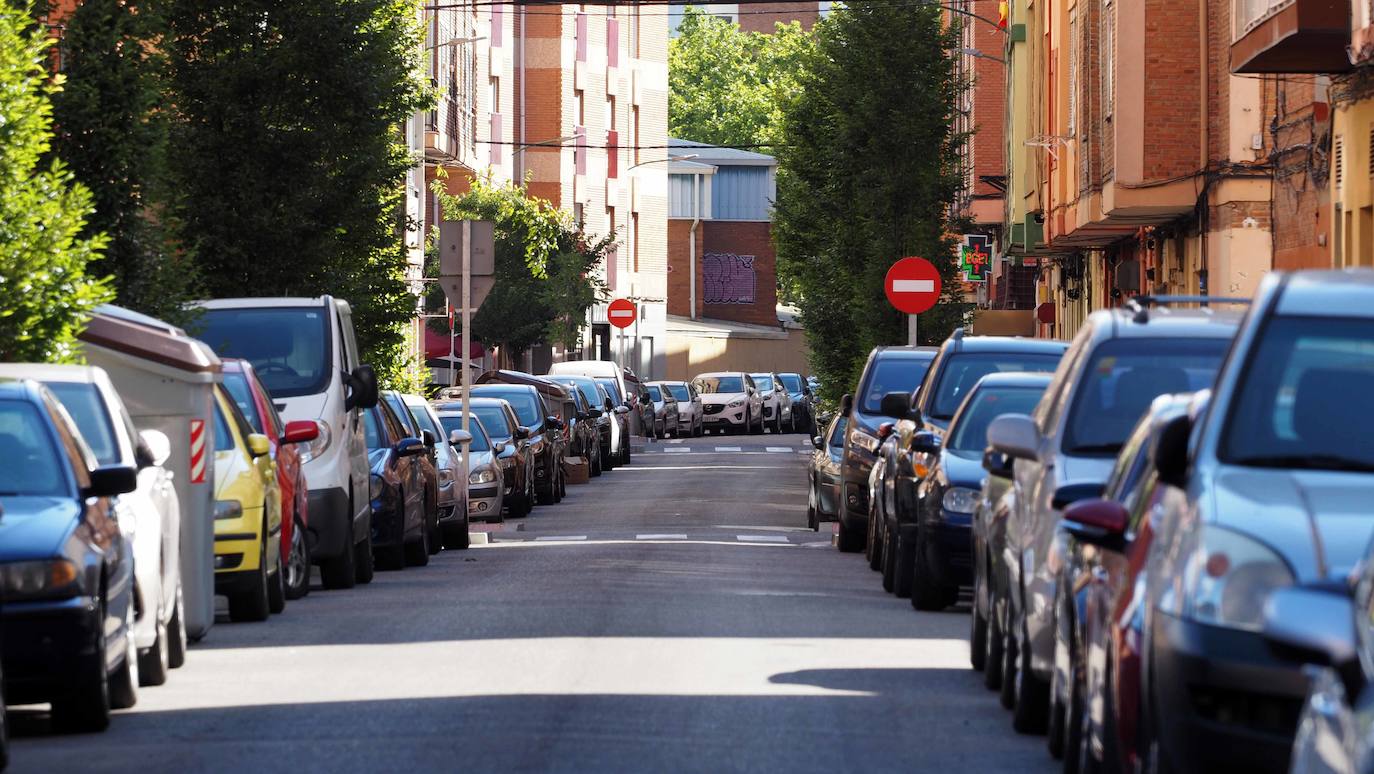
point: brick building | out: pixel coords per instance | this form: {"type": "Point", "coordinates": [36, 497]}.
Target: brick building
{"type": "Point", "coordinates": [757, 17]}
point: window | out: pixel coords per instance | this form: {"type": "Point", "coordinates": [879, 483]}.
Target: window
{"type": "Point", "coordinates": [498, 23]}
{"type": "Point", "coordinates": [480, 442]}
{"type": "Point", "coordinates": [711, 385]}
{"type": "Point", "coordinates": [891, 374]}
{"type": "Point", "coordinates": [634, 130]}
{"type": "Point", "coordinates": [634, 239]}
{"type": "Point", "coordinates": [959, 375]}
{"type": "Point", "coordinates": [612, 38]}
{"type": "Point", "coordinates": [83, 402]}
{"type": "Point", "coordinates": [224, 438]}
{"type": "Point", "coordinates": [577, 215]}
{"type": "Point", "coordinates": [970, 432]}
{"type": "Point", "coordinates": [237, 385]}
{"type": "Point", "coordinates": [580, 33]}
{"type": "Point", "coordinates": [288, 346]}
{"type": "Point", "coordinates": [33, 465]}
{"type": "Point", "coordinates": [1072, 129]}
{"type": "Point", "coordinates": [580, 148]}
{"type": "Point", "coordinates": [1108, 46]}
{"type": "Point", "coordinates": [634, 30]}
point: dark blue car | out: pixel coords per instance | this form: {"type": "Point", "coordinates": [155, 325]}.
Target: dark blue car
{"type": "Point", "coordinates": [66, 569]}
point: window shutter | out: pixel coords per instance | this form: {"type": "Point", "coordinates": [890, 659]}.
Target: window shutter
{"type": "Point", "coordinates": [612, 42]}
{"type": "Point", "coordinates": [1108, 46]}
{"type": "Point", "coordinates": [1073, 77]}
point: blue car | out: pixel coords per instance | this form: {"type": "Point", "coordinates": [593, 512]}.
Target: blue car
{"type": "Point", "coordinates": [66, 570]}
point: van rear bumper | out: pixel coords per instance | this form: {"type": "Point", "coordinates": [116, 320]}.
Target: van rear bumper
{"type": "Point", "coordinates": [330, 530]}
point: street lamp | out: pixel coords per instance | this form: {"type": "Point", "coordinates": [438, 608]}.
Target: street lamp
{"type": "Point", "coordinates": [975, 53]}
{"type": "Point", "coordinates": [455, 42]}
{"type": "Point", "coordinates": [546, 143]}
{"type": "Point", "coordinates": [687, 157]}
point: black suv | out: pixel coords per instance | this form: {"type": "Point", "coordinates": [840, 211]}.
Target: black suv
{"type": "Point", "coordinates": [889, 369]}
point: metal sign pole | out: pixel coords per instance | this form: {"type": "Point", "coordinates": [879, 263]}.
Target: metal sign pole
{"type": "Point", "coordinates": [467, 346]}
{"type": "Point", "coordinates": [911, 329]}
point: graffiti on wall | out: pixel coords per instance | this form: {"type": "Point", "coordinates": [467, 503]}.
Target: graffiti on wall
{"type": "Point", "coordinates": [728, 278]}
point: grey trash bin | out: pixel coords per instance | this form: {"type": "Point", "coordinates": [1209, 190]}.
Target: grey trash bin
{"type": "Point", "coordinates": [167, 379]}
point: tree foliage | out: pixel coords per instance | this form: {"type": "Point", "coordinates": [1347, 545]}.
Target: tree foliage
{"type": "Point", "coordinates": [45, 294]}
{"type": "Point", "coordinates": [726, 86]}
{"type": "Point", "coordinates": [866, 176]}
{"type": "Point", "coordinates": [111, 132]}
{"type": "Point", "coordinates": [546, 277]}
{"type": "Point", "coordinates": [289, 164]}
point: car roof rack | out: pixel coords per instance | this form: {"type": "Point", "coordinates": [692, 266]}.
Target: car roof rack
{"type": "Point", "coordinates": [1139, 306]}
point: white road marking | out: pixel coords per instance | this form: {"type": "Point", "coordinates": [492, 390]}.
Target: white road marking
{"type": "Point", "coordinates": [761, 538]}
{"type": "Point", "coordinates": [913, 286]}
{"type": "Point", "coordinates": [675, 440]}
{"type": "Point", "coordinates": [660, 537]}
{"type": "Point", "coordinates": [561, 537]}
{"type": "Point", "coordinates": [728, 448]}
{"type": "Point", "coordinates": [678, 449]}
{"type": "Point", "coordinates": [779, 449]}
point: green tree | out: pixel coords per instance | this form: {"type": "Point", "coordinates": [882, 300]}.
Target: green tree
{"type": "Point", "coordinates": [45, 294]}
{"type": "Point", "coordinates": [111, 131]}
{"type": "Point", "coordinates": [289, 162]}
{"type": "Point", "coordinates": [726, 86]}
{"type": "Point", "coordinates": [866, 176]}
{"type": "Point", "coordinates": [545, 268]}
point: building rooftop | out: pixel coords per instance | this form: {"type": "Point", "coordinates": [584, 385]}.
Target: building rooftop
{"type": "Point", "coordinates": [714, 154]}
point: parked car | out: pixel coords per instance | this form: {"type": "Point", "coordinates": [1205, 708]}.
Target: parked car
{"type": "Point", "coordinates": [603, 456]}
{"type": "Point", "coordinates": [689, 408]}
{"type": "Point", "coordinates": [921, 418]}
{"type": "Point", "coordinates": [486, 489]}
{"type": "Point", "coordinates": [400, 527]}
{"type": "Point", "coordinates": [777, 404]}
{"type": "Point", "coordinates": [823, 475]}
{"type": "Point", "coordinates": [644, 410]}
{"type": "Point", "coordinates": [150, 516]}
{"type": "Point", "coordinates": [597, 369]}
{"type": "Point", "coordinates": [426, 464]}
{"type": "Point", "coordinates": [1275, 474]}
{"type": "Point", "coordinates": [452, 523]}
{"type": "Point", "coordinates": [66, 568]}
{"type": "Point", "coordinates": [889, 369]}
{"type": "Point", "coordinates": [249, 568]}
{"type": "Point", "coordinates": [730, 401]}
{"type": "Point", "coordinates": [546, 441]}
{"type": "Point", "coordinates": [1120, 361]}
{"type": "Point", "coordinates": [253, 400]}
{"type": "Point", "coordinates": [989, 546]}
{"type": "Point", "coordinates": [306, 354]}
{"type": "Point", "coordinates": [665, 410]}
{"type": "Point", "coordinates": [621, 413]}
{"type": "Point", "coordinates": [584, 435]}
{"type": "Point", "coordinates": [803, 402]}
{"type": "Point", "coordinates": [1097, 664]}
{"type": "Point", "coordinates": [515, 458]}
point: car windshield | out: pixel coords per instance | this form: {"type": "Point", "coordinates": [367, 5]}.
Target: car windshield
{"type": "Point", "coordinates": [791, 382]}
{"type": "Point", "coordinates": [424, 420]}
{"type": "Point", "coordinates": [963, 371]}
{"type": "Point", "coordinates": [717, 384]}
{"type": "Point", "coordinates": [480, 442]}
{"type": "Point", "coordinates": [224, 439]}
{"type": "Point", "coordinates": [612, 388]}
{"type": "Point", "coordinates": [971, 431]}
{"type": "Point", "coordinates": [679, 391]}
{"type": "Point", "coordinates": [494, 419]}
{"type": "Point", "coordinates": [891, 374]}
{"type": "Point", "coordinates": [288, 346]}
{"type": "Point", "coordinates": [1297, 405]}
{"type": "Point", "coordinates": [528, 409]}
{"type": "Point", "coordinates": [654, 393]}
{"type": "Point", "coordinates": [1124, 377]}
{"type": "Point", "coordinates": [402, 414]}
{"type": "Point", "coordinates": [86, 408]}
{"type": "Point", "coordinates": [32, 467]}
{"type": "Point", "coordinates": [763, 382]}
{"type": "Point", "coordinates": [837, 434]}
{"type": "Point", "coordinates": [237, 385]}
{"type": "Point", "coordinates": [373, 429]}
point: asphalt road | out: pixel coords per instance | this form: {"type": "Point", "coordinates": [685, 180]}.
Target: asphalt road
{"type": "Point", "coordinates": [671, 616]}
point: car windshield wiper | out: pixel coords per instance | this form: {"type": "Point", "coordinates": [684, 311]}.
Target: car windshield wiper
{"type": "Point", "coordinates": [1095, 448]}
{"type": "Point", "coordinates": [1308, 462]}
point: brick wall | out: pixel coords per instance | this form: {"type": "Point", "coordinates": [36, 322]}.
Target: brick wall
{"type": "Point", "coordinates": [752, 20]}
{"type": "Point", "coordinates": [680, 265]}
{"type": "Point", "coordinates": [743, 239]}
{"type": "Point", "coordinates": [1172, 84]}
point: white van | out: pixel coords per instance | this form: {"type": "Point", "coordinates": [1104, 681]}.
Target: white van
{"type": "Point", "coordinates": [606, 369]}
{"type": "Point", "coordinates": [305, 352]}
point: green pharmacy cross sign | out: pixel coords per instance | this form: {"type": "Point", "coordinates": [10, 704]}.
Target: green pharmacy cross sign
{"type": "Point", "coordinates": [975, 257]}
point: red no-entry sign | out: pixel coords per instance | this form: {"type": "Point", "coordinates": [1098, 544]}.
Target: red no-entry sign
{"type": "Point", "coordinates": [621, 313]}
{"type": "Point", "coordinates": [912, 285]}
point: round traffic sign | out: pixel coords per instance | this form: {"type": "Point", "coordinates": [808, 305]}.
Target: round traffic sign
{"type": "Point", "coordinates": [912, 285]}
{"type": "Point", "coordinates": [621, 313]}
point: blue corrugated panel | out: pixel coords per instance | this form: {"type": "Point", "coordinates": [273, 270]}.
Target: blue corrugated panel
{"type": "Point", "coordinates": [741, 193]}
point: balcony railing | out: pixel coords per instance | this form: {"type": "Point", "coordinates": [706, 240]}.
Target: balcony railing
{"type": "Point", "coordinates": [1290, 36]}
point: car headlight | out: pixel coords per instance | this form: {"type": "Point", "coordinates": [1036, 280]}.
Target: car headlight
{"type": "Point", "coordinates": [736, 403]}
{"type": "Point", "coordinates": [483, 476]}
{"type": "Point", "coordinates": [228, 509]}
{"type": "Point", "coordinates": [375, 485]}
{"type": "Point", "coordinates": [959, 499]}
{"type": "Point", "coordinates": [445, 476]}
{"type": "Point", "coordinates": [37, 579]}
{"type": "Point", "coordinates": [316, 448]}
{"type": "Point", "coordinates": [868, 443]}
{"type": "Point", "coordinates": [1226, 580]}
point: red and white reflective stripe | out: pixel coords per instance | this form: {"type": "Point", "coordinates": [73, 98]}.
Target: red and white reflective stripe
{"type": "Point", "coordinates": [198, 451]}
{"type": "Point", "coordinates": [913, 286]}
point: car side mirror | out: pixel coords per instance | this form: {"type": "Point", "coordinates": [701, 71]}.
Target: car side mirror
{"type": "Point", "coordinates": [594, 413]}
{"type": "Point", "coordinates": [112, 480]}
{"type": "Point", "coordinates": [554, 422]}
{"type": "Point", "coordinates": [817, 441]}
{"type": "Point", "coordinates": [459, 437]}
{"type": "Point", "coordinates": [300, 431]}
{"type": "Point", "coordinates": [885, 430]}
{"type": "Point", "coordinates": [997, 463]}
{"type": "Point", "coordinates": [896, 405]}
{"type": "Point", "coordinates": [1316, 625]}
{"type": "Point", "coordinates": [409, 447]}
{"type": "Point", "coordinates": [846, 404]}
{"type": "Point", "coordinates": [609, 406]}
{"type": "Point", "coordinates": [925, 443]}
{"type": "Point", "coordinates": [522, 433]}
{"type": "Point", "coordinates": [622, 409]}
{"type": "Point", "coordinates": [1171, 452]}
{"type": "Point", "coordinates": [362, 388]}
{"type": "Point", "coordinates": [156, 445]}
{"type": "Point", "coordinates": [1069, 494]}
{"type": "Point", "coordinates": [258, 445]}
{"type": "Point", "coordinates": [1015, 435]}
{"type": "Point", "coordinates": [428, 438]}
{"type": "Point", "coordinates": [1096, 521]}
{"type": "Point", "coordinates": [499, 447]}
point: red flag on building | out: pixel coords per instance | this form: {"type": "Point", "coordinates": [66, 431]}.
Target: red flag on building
{"type": "Point", "coordinates": [1002, 13]}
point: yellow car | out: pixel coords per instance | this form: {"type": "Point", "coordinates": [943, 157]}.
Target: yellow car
{"type": "Point", "coordinates": [248, 561]}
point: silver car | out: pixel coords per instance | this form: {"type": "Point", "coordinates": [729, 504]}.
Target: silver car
{"type": "Point", "coordinates": [777, 402]}
{"type": "Point", "coordinates": [665, 417]}
{"type": "Point", "coordinates": [486, 497]}
{"type": "Point", "coordinates": [689, 415]}
{"type": "Point", "coordinates": [448, 461]}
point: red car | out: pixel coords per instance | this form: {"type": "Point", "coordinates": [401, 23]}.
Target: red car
{"type": "Point", "coordinates": [256, 404]}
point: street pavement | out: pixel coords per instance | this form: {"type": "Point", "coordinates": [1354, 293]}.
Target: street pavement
{"type": "Point", "coordinates": [674, 615]}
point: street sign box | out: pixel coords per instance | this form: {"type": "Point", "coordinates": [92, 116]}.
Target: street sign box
{"type": "Point", "coordinates": [621, 313]}
{"type": "Point", "coordinates": [483, 260]}
{"type": "Point", "coordinates": [912, 285]}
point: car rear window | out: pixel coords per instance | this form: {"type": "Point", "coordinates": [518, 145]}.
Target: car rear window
{"type": "Point", "coordinates": [655, 393]}
{"type": "Point", "coordinates": [237, 385]}
{"type": "Point", "coordinates": [971, 432]}
{"type": "Point", "coordinates": [82, 401]}
{"type": "Point", "coordinates": [480, 442]}
{"type": "Point", "coordinates": [527, 408]}
{"type": "Point", "coordinates": [790, 382]}
{"type": "Point", "coordinates": [963, 370]}
{"type": "Point", "coordinates": [679, 391]}
{"type": "Point", "coordinates": [32, 466]}
{"type": "Point", "coordinates": [891, 374]}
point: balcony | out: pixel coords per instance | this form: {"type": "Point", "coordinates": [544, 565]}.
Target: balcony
{"type": "Point", "coordinates": [1290, 36]}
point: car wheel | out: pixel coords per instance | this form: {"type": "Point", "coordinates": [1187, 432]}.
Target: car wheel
{"type": "Point", "coordinates": [436, 541]}
{"type": "Point", "coordinates": [889, 560]}
{"type": "Point", "coordinates": [873, 541]}
{"type": "Point", "coordinates": [1031, 713]}
{"type": "Point", "coordinates": [929, 590]}
{"type": "Point", "coordinates": [124, 680]}
{"type": "Point", "coordinates": [1008, 688]}
{"type": "Point", "coordinates": [456, 536]}
{"type": "Point", "coordinates": [903, 565]}
{"type": "Point", "coordinates": [298, 563]}
{"type": "Point", "coordinates": [992, 661]}
{"type": "Point", "coordinates": [176, 636]}
{"type": "Point", "coordinates": [417, 550]}
{"type": "Point", "coordinates": [594, 464]}
{"type": "Point", "coordinates": [978, 630]}
{"type": "Point", "coordinates": [250, 604]}
{"type": "Point", "coordinates": [341, 572]}
{"type": "Point", "coordinates": [608, 459]}
{"type": "Point", "coordinates": [1061, 680]}
{"type": "Point", "coordinates": [777, 424]}
{"type": "Point", "coordinates": [85, 706]}
{"type": "Point", "coordinates": [849, 540]}
{"type": "Point", "coordinates": [812, 522]}
{"type": "Point", "coordinates": [153, 661]}
{"type": "Point", "coordinates": [276, 588]}
{"type": "Point", "coordinates": [363, 558]}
